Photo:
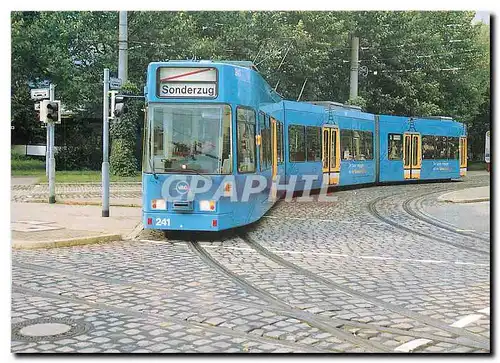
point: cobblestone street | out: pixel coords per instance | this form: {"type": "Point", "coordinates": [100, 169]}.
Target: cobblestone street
{"type": "Point", "coordinates": [379, 270]}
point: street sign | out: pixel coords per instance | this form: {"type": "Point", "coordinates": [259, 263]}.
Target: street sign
{"type": "Point", "coordinates": [37, 106]}
{"type": "Point", "coordinates": [115, 83]}
{"type": "Point", "coordinates": [40, 94]}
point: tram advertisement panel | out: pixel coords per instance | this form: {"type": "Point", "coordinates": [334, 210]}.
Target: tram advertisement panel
{"type": "Point", "coordinates": [187, 82]}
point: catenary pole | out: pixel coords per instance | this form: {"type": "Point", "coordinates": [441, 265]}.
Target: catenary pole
{"type": "Point", "coordinates": [353, 91]}
{"type": "Point", "coordinates": [122, 47]}
{"type": "Point", "coordinates": [52, 160]}
{"type": "Point", "coordinates": [105, 146]}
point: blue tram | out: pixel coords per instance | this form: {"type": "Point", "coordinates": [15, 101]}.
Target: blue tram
{"type": "Point", "coordinates": [220, 144]}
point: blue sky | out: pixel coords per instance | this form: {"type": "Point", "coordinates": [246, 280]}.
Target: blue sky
{"type": "Point", "coordinates": [483, 16]}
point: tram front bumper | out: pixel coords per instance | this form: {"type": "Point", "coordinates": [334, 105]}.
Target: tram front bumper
{"type": "Point", "coordinates": [187, 221]}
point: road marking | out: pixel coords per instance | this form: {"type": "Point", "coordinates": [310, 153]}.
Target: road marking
{"type": "Point", "coordinates": [466, 320]}
{"type": "Point", "coordinates": [485, 311]}
{"type": "Point", "coordinates": [466, 230]}
{"type": "Point", "coordinates": [412, 345]}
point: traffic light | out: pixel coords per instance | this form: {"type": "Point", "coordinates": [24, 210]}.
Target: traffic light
{"type": "Point", "coordinates": [120, 106]}
{"type": "Point", "coordinates": [50, 111]}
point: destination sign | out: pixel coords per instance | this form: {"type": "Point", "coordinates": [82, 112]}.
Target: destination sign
{"type": "Point", "coordinates": [187, 83]}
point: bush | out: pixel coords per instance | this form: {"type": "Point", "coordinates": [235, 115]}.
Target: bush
{"type": "Point", "coordinates": [122, 160]}
{"type": "Point", "coordinates": [82, 149]}
{"type": "Point", "coordinates": [124, 136]}
{"type": "Point", "coordinates": [78, 157]}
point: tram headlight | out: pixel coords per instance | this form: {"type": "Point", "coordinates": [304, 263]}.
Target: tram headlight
{"type": "Point", "coordinates": [158, 204]}
{"type": "Point", "coordinates": [207, 205]}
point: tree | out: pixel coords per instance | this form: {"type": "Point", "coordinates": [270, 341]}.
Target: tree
{"type": "Point", "coordinates": [420, 63]}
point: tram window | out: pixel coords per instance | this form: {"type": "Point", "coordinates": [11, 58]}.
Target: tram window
{"type": "Point", "coordinates": [158, 148]}
{"type": "Point", "coordinates": [414, 157]}
{"type": "Point", "coordinates": [262, 121]}
{"type": "Point", "coordinates": [346, 147]}
{"type": "Point", "coordinates": [263, 145]}
{"type": "Point", "coordinates": [266, 152]}
{"type": "Point", "coordinates": [263, 150]}
{"type": "Point", "coordinates": [407, 156]}
{"type": "Point", "coordinates": [441, 148]}
{"type": "Point", "coordinates": [429, 147]}
{"type": "Point", "coordinates": [365, 145]}
{"type": "Point", "coordinates": [269, 146]}
{"type": "Point", "coordinates": [279, 136]}
{"type": "Point", "coordinates": [395, 150]}
{"type": "Point", "coordinates": [356, 144]}
{"type": "Point", "coordinates": [226, 142]}
{"type": "Point", "coordinates": [296, 141]}
{"type": "Point", "coordinates": [245, 121]}
{"type": "Point", "coordinates": [313, 140]}
{"type": "Point", "coordinates": [453, 148]}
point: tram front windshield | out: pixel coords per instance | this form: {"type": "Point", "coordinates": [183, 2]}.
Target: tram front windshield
{"type": "Point", "coordinates": [189, 138]}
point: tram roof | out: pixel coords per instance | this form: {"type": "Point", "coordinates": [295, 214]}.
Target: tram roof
{"type": "Point", "coordinates": [245, 64]}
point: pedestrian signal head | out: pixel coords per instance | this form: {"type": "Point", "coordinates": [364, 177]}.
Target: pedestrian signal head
{"type": "Point", "coordinates": [50, 111]}
{"type": "Point", "coordinates": [120, 107]}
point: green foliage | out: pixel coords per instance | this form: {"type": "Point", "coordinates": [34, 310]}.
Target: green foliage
{"type": "Point", "coordinates": [82, 149]}
{"type": "Point", "coordinates": [124, 135]}
{"type": "Point", "coordinates": [122, 159]}
{"type": "Point", "coordinates": [357, 101]}
{"type": "Point", "coordinates": [419, 63]}
{"type": "Point", "coordinates": [23, 162]}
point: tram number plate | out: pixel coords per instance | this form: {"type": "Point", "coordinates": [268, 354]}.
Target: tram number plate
{"type": "Point", "coordinates": [162, 222]}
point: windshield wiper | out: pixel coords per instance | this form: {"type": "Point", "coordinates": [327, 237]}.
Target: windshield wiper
{"type": "Point", "coordinates": [187, 169]}
{"type": "Point", "coordinates": [153, 169]}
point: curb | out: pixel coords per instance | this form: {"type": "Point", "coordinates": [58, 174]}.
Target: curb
{"type": "Point", "coordinates": [477, 200]}
{"type": "Point", "coordinates": [135, 233]}
{"type": "Point", "coordinates": [70, 202]}
{"type": "Point", "coordinates": [460, 196]}
{"type": "Point", "coordinates": [29, 245]}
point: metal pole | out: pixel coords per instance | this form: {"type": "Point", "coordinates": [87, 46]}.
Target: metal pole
{"type": "Point", "coordinates": [47, 156]}
{"type": "Point", "coordinates": [354, 67]}
{"type": "Point", "coordinates": [302, 90]}
{"type": "Point", "coordinates": [122, 47]}
{"type": "Point", "coordinates": [105, 146]}
{"type": "Point", "coordinates": [52, 160]}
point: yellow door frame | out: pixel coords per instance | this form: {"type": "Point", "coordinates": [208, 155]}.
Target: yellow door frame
{"type": "Point", "coordinates": [274, 139]}
{"type": "Point", "coordinates": [326, 148]}
{"type": "Point", "coordinates": [412, 157]}
{"type": "Point", "coordinates": [463, 152]}
{"type": "Point", "coordinates": [335, 130]}
{"type": "Point", "coordinates": [330, 170]}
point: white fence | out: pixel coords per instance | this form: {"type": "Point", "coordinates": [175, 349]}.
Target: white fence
{"type": "Point", "coordinates": [31, 150]}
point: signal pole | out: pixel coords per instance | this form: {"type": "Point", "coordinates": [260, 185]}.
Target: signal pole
{"type": "Point", "coordinates": [47, 155]}
{"type": "Point", "coordinates": [52, 160]}
{"type": "Point", "coordinates": [105, 146]}
{"type": "Point", "coordinates": [353, 92]}
{"type": "Point", "coordinates": [122, 47]}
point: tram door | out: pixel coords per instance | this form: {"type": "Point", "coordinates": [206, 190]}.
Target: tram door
{"type": "Point", "coordinates": [463, 156]}
{"type": "Point", "coordinates": [274, 143]}
{"type": "Point", "coordinates": [331, 155]}
{"type": "Point", "coordinates": [412, 155]}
